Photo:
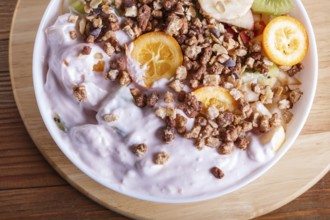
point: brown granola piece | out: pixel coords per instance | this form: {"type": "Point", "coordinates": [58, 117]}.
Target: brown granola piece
{"type": "Point", "coordinates": [199, 72]}
{"type": "Point", "coordinates": [264, 124]}
{"type": "Point", "coordinates": [73, 35]}
{"type": "Point", "coordinates": [225, 119]}
{"type": "Point", "coordinates": [216, 68]}
{"type": "Point", "coordinates": [168, 134]}
{"type": "Point", "coordinates": [200, 120]}
{"type": "Point", "coordinates": [181, 73]}
{"type": "Point", "coordinates": [144, 14]}
{"type": "Point", "coordinates": [193, 51]}
{"type": "Point", "coordinates": [125, 78]}
{"type": "Point", "coordinates": [168, 4]}
{"type": "Point", "coordinates": [170, 122]}
{"type": "Point", "coordinates": [174, 25]}
{"type": "Point", "coordinates": [287, 116]}
{"type": "Point", "coordinates": [295, 69]}
{"type": "Point", "coordinates": [168, 97]}
{"type": "Point", "coordinates": [152, 100]}
{"type": "Point", "coordinates": [212, 142]}
{"type": "Point", "coordinates": [180, 123]}
{"type": "Point", "coordinates": [140, 149]}
{"type": "Point", "coordinates": [112, 75]}
{"type": "Point", "coordinates": [211, 80]}
{"type": "Point", "coordinates": [226, 148]}
{"type": "Point", "coordinates": [200, 143]}
{"type": "Point", "coordinates": [242, 142]}
{"type": "Point", "coordinates": [246, 126]}
{"type": "Point", "coordinates": [121, 63]}
{"type": "Point", "coordinates": [161, 158]}
{"type": "Point", "coordinates": [176, 85]}
{"type": "Point", "coordinates": [217, 172]}
{"type": "Point", "coordinates": [140, 99]}
{"type": "Point", "coordinates": [212, 113]}
{"type": "Point", "coordinates": [110, 118]}
{"type": "Point", "coordinates": [231, 133]}
{"type": "Point", "coordinates": [284, 104]}
{"type": "Point", "coordinates": [80, 93]}
{"type": "Point", "coordinates": [108, 49]}
{"type": "Point", "coordinates": [161, 112]}
{"type": "Point", "coordinates": [194, 133]}
{"type": "Point", "coordinates": [275, 120]}
{"type": "Point", "coordinates": [86, 50]}
{"type": "Point", "coordinates": [90, 39]}
{"type": "Point", "coordinates": [206, 56]}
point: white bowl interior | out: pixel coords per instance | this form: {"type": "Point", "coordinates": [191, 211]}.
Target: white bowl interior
{"type": "Point", "coordinates": [301, 110]}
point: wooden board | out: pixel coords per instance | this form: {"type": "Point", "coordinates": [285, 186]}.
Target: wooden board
{"type": "Point", "coordinates": [306, 162]}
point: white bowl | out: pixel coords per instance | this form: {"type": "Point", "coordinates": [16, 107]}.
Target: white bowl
{"type": "Point", "coordinates": [301, 110]}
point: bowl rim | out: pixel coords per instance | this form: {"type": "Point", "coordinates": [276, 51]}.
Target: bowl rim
{"type": "Point", "coordinates": [37, 84]}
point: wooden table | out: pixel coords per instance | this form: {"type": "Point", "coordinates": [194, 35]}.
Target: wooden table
{"type": "Point", "coordinates": [31, 189]}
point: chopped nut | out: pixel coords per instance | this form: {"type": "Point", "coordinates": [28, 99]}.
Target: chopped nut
{"type": "Point", "coordinates": [152, 100]}
{"type": "Point", "coordinates": [226, 148]}
{"type": "Point", "coordinates": [110, 118]}
{"type": "Point", "coordinates": [121, 63]}
{"type": "Point", "coordinates": [193, 51]}
{"type": "Point", "coordinates": [275, 120]}
{"type": "Point", "coordinates": [194, 133]}
{"type": "Point", "coordinates": [112, 75]}
{"type": "Point", "coordinates": [161, 112]}
{"type": "Point", "coordinates": [176, 85]}
{"type": "Point", "coordinates": [181, 73]}
{"type": "Point", "coordinates": [211, 80]}
{"type": "Point", "coordinates": [212, 112]}
{"type": "Point", "coordinates": [108, 49]}
{"type": "Point", "coordinates": [168, 97]}
{"type": "Point", "coordinates": [80, 93]}
{"type": "Point", "coordinates": [212, 142]}
{"type": "Point", "coordinates": [161, 158]}
{"type": "Point", "coordinates": [284, 104]}
{"type": "Point", "coordinates": [129, 31]}
{"type": "Point", "coordinates": [217, 173]}
{"type": "Point", "coordinates": [236, 94]}
{"type": "Point", "coordinates": [140, 149]}
{"type": "Point", "coordinates": [131, 11]}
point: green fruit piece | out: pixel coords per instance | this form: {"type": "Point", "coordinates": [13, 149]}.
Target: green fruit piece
{"type": "Point", "coordinates": [59, 123]}
{"type": "Point", "coordinates": [272, 7]}
{"type": "Point", "coordinates": [77, 7]}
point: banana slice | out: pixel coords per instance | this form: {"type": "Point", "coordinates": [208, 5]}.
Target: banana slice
{"type": "Point", "coordinates": [226, 9]}
{"type": "Point", "coordinates": [275, 137]}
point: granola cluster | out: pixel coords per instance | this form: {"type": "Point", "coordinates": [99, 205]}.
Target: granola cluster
{"type": "Point", "coordinates": [215, 54]}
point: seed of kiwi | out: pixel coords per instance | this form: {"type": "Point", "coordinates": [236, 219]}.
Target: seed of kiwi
{"type": "Point", "coordinates": [272, 7]}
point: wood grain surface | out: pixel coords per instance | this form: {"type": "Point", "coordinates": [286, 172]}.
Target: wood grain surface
{"type": "Point", "coordinates": [31, 189]}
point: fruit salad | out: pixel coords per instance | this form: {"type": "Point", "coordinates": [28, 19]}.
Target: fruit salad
{"type": "Point", "coordinates": [177, 98]}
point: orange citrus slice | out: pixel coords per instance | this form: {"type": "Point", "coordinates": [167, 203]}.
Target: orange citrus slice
{"type": "Point", "coordinates": [159, 53]}
{"type": "Point", "coordinates": [216, 96]}
{"type": "Point", "coordinates": [285, 41]}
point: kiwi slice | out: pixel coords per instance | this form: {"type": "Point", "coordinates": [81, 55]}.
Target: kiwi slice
{"type": "Point", "coordinates": [77, 7]}
{"type": "Point", "coordinates": [272, 7]}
